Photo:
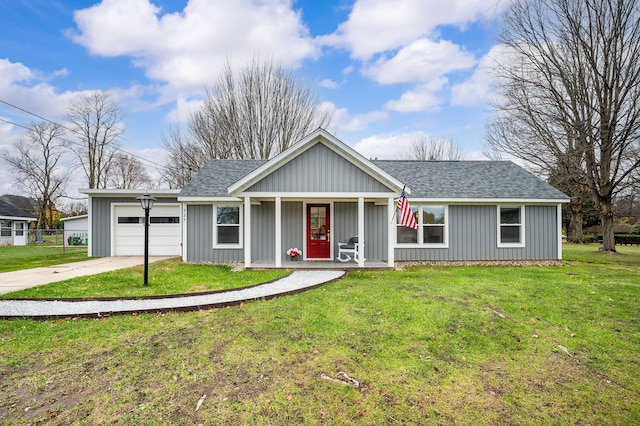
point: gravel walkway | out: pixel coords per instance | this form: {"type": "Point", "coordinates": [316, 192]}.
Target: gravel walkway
{"type": "Point", "coordinates": [43, 309]}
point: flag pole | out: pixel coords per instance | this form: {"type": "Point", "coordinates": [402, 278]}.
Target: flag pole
{"type": "Point", "coordinates": [395, 211]}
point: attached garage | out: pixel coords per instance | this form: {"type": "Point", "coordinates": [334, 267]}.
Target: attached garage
{"type": "Point", "coordinates": [116, 223]}
{"type": "Point", "coordinates": [165, 230]}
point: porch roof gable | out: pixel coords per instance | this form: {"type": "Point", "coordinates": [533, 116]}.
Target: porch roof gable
{"type": "Point", "coordinates": [331, 142]}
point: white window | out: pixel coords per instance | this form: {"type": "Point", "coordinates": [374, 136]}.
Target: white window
{"type": "Point", "coordinates": [511, 226]}
{"type": "Point", "coordinates": [227, 226]}
{"type": "Point", "coordinates": [434, 226]}
{"type": "Point", "coordinates": [432, 229]}
{"type": "Point", "coordinates": [5, 228]}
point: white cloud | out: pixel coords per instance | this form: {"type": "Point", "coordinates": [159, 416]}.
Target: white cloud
{"type": "Point", "coordinates": [328, 84]}
{"type": "Point", "coordinates": [386, 147]}
{"type": "Point", "coordinates": [183, 110]}
{"type": "Point", "coordinates": [376, 26]}
{"type": "Point", "coordinates": [30, 90]}
{"type": "Point", "coordinates": [349, 123]}
{"type": "Point", "coordinates": [420, 61]}
{"type": "Point", "coordinates": [187, 48]}
{"type": "Point", "coordinates": [477, 89]}
{"type": "Point", "coordinates": [397, 146]}
{"type": "Point", "coordinates": [424, 97]}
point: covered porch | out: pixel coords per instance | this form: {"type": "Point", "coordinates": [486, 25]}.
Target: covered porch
{"type": "Point", "coordinates": [316, 224]}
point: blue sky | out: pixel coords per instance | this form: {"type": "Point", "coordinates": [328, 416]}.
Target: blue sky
{"type": "Point", "coordinates": [389, 70]}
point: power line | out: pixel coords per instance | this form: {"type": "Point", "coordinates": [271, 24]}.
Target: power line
{"type": "Point", "coordinates": [9, 104]}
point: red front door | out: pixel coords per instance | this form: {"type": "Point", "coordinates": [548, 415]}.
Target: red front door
{"type": "Point", "coordinates": [318, 231]}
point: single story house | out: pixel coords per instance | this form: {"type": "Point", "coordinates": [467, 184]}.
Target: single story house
{"type": "Point", "coordinates": [321, 192]}
{"type": "Point", "coordinates": [14, 225]}
{"type": "Point", "coordinates": [76, 230]}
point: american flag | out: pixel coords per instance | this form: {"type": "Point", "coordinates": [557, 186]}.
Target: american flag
{"type": "Point", "coordinates": [406, 214]}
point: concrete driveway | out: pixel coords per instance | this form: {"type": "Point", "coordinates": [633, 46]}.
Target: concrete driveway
{"type": "Point", "coordinates": [19, 280]}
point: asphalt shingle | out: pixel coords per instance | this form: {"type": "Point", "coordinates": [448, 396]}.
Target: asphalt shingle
{"type": "Point", "coordinates": [7, 210]}
{"type": "Point", "coordinates": [469, 179]}
{"type": "Point", "coordinates": [217, 175]}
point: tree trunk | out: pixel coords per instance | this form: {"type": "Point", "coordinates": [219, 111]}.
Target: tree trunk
{"type": "Point", "coordinates": [574, 233]}
{"type": "Point", "coordinates": [606, 215]}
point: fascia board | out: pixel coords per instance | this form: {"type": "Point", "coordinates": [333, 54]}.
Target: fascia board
{"type": "Point", "coordinates": [18, 218]}
{"type": "Point", "coordinates": [129, 192]}
{"type": "Point", "coordinates": [209, 200]}
{"type": "Point", "coordinates": [490, 200]}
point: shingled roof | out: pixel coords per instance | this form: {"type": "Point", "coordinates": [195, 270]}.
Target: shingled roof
{"type": "Point", "coordinates": [217, 175]}
{"type": "Point", "coordinates": [469, 179]}
{"type": "Point", "coordinates": [9, 211]}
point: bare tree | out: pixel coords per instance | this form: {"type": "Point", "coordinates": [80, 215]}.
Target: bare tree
{"type": "Point", "coordinates": [434, 148]}
{"type": "Point", "coordinates": [186, 157]}
{"type": "Point", "coordinates": [571, 93]}
{"type": "Point", "coordinates": [257, 111]}
{"type": "Point", "coordinates": [37, 167]}
{"type": "Point", "coordinates": [75, 208]}
{"type": "Point", "coordinates": [96, 123]}
{"type": "Point", "coordinates": [128, 172]}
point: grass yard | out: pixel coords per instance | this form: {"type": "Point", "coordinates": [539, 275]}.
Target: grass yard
{"type": "Point", "coordinates": [428, 345]}
{"type": "Point", "coordinates": [15, 258]}
{"type": "Point", "coordinates": [169, 276]}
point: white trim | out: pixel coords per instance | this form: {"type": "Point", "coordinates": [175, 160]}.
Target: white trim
{"type": "Point", "coordinates": [305, 144]}
{"type": "Point", "coordinates": [342, 196]}
{"type": "Point", "coordinates": [64, 219]}
{"type": "Point", "coordinates": [559, 225]}
{"type": "Point", "coordinates": [183, 210]}
{"type": "Point", "coordinates": [487, 201]}
{"type": "Point", "coordinates": [304, 228]}
{"type": "Point", "coordinates": [247, 232]}
{"type": "Point", "coordinates": [278, 230]}
{"type": "Point", "coordinates": [353, 196]}
{"type": "Point", "coordinates": [522, 225]}
{"type": "Point", "coordinates": [90, 226]}
{"type": "Point", "coordinates": [21, 219]}
{"type": "Point", "coordinates": [420, 231]}
{"type": "Point", "coordinates": [361, 237]}
{"type": "Point", "coordinates": [215, 243]}
{"type": "Point", "coordinates": [391, 232]}
{"type": "Point", "coordinates": [130, 192]}
{"type": "Point", "coordinates": [209, 200]}
{"type": "Point", "coordinates": [113, 220]}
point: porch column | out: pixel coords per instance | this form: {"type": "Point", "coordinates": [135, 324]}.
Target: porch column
{"type": "Point", "coordinates": [278, 229]}
{"type": "Point", "coordinates": [361, 241]}
{"type": "Point", "coordinates": [247, 232]}
{"type": "Point", "coordinates": [391, 233]}
{"type": "Point", "coordinates": [559, 226]}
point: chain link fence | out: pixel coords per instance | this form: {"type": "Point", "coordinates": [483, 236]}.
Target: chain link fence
{"type": "Point", "coordinates": [58, 237]}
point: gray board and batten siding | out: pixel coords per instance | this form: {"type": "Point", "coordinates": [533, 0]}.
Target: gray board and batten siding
{"type": "Point", "coordinates": [319, 169]}
{"type": "Point", "coordinates": [473, 236]}
{"type": "Point", "coordinates": [345, 225]}
{"type": "Point", "coordinates": [101, 221]}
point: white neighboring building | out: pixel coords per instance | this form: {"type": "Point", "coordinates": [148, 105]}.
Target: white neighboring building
{"type": "Point", "coordinates": [76, 230]}
{"type": "Point", "coordinates": [14, 225]}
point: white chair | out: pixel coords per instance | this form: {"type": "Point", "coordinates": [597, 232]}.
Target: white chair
{"type": "Point", "coordinates": [348, 250]}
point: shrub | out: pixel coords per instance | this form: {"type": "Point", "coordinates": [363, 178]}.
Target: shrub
{"type": "Point", "coordinates": [627, 239]}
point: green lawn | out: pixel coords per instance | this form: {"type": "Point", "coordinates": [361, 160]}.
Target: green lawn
{"type": "Point", "coordinates": [14, 258]}
{"type": "Point", "coordinates": [429, 345]}
{"type": "Point", "coordinates": [169, 276]}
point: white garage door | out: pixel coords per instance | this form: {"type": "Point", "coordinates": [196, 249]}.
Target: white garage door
{"type": "Point", "coordinates": [165, 231]}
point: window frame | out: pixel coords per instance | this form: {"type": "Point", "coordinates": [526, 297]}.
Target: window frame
{"type": "Point", "coordinates": [421, 225]}
{"type": "Point", "coordinates": [521, 226]}
{"type": "Point", "coordinates": [240, 226]}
